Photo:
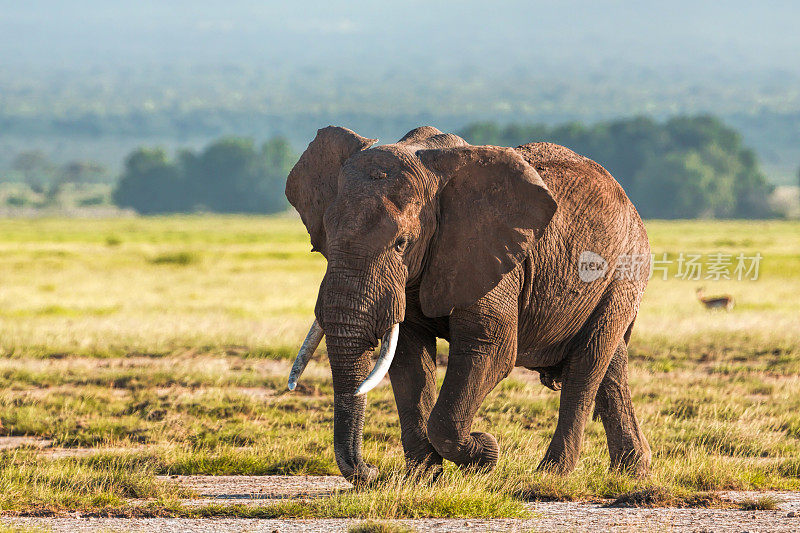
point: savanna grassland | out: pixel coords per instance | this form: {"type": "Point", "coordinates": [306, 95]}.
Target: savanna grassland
{"type": "Point", "coordinates": [136, 348]}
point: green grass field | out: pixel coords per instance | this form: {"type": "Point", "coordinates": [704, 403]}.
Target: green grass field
{"type": "Point", "coordinates": [165, 343]}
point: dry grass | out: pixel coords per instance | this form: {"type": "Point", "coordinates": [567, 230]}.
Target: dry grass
{"type": "Point", "coordinates": [164, 343]}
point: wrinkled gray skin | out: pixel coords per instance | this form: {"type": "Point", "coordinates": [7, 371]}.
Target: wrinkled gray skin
{"type": "Point", "coordinates": [478, 245]}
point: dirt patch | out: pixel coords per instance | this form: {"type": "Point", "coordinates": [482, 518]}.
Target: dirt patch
{"type": "Point", "coordinates": [255, 489]}
{"type": "Point", "coordinates": [12, 443]}
{"type": "Point", "coordinates": [578, 516]}
{"type": "Point", "coordinates": [569, 516]}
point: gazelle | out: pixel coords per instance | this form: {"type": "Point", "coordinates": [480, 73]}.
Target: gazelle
{"type": "Point", "coordinates": [723, 301]}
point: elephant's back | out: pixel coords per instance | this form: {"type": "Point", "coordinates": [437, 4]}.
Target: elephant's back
{"type": "Point", "coordinates": [590, 200]}
{"type": "Point", "coordinates": [573, 178]}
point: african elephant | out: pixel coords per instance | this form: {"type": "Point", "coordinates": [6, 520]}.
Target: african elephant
{"type": "Point", "coordinates": [485, 247]}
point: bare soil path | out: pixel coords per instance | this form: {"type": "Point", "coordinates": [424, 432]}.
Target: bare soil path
{"type": "Point", "coordinates": [550, 516]}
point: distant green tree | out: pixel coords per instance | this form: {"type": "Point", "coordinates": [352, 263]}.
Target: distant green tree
{"type": "Point", "coordinates": [751, 188]}
{"type": "Point", "coordinates": [629, 144]}
{"type": "Point", "coordinates": [150, 183]}
{"type": "Point", "coordinates": [225, 176]}
{"type": "Point", "coordinates": [735, 166]}
{"type": "Point", "coordinates": [34, 167]}
{"type": "Point", "coordinates": [278, 159]}
{"type": "Point", "coordinates": [720, 175]}
{"type": "Point", "coordinates": [229, 176]}
{"type": "Point", "coordinates": [82, 172]}
{"type": "Point", "coordinates": [482, 133]}
{"type": "Point", "coordinates": [675, 186]}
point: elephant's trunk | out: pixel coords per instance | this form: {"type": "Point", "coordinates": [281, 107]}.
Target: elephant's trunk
{"type": "Point", "coordinates": [355, 309]}
{"type": "Point", "coordinates": [350, 360]}
{"type": "Point", "coordinates": [348, 428]}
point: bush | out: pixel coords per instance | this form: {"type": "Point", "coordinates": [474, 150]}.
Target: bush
{"type": "Point", "coordinates": [229, 176]}
{"type": "Point", "coordinates": [151, 183]}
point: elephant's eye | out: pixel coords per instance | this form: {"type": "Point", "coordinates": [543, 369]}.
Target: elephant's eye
{"type": "Point", "coordinates": [401, 243]}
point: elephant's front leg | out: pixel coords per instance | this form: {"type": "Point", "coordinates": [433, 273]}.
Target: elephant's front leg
{"type": "Point", "coordinates": [413, 376]}
{"type": "Point", "coordinates": [483, 347]}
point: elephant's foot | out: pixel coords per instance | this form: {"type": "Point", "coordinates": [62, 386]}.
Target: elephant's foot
{"type": "Point", "coordinates": [487, 452]}
{"type": "Point", "coordinates": [361, 475]}
{"type": "Point", "coordinates": [476, 451]}
{"type": "Point", "coordinates": [635, 461]}
{"type": "Point", "coordinates": [627, 447]}
{"type": "Point", "coordinates": [423, 463]}
{"type": "Point", "coordinates": [558, 460]}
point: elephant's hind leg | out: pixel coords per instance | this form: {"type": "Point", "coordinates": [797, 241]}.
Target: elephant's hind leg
{"type": "Point", "coordinates": [588, 359]}
{"type": "Point", "coordinates": [627, 445]}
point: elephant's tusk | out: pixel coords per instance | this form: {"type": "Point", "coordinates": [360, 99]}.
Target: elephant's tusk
{"type": "Point", "coordinates": [388, 346]}
{"type": "Point", "coordinates": [307, 350]}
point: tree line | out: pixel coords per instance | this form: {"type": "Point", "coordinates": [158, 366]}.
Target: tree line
{"type": "Point", "coordinates": [686, 167]}
{"type": "Point", "coordinates": [35, 169]}
{"type": "Point", "coordinates": [231, 175]}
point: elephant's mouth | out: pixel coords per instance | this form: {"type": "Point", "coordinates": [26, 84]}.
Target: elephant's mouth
{"type": "Point", "coordinates": [382, 364]}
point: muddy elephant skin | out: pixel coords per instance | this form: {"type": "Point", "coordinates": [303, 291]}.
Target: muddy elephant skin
{"type": "Point", "coordinates": [530, 256]}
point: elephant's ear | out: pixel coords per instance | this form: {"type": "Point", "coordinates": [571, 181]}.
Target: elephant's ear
{"type": "Point", "coordinates": [493, 206]}
{"type": "Point", "coordinates": [313, 182]}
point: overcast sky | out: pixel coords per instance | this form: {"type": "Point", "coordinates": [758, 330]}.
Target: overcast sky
{"type": "Point", "coordinates": [738, 36]}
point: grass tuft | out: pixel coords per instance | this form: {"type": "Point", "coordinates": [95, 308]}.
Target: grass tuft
{"type": "Point", "coordinates": [452, 496]}
{"type": "Point", "coordinates": [378, 527]}
{"type": "Point", "coordinates": [175, 258]}
{"type": "Point", "coordinates": [31, 486]}
{"type": "Point", "coordinates": [8, 528]}
{"type": "Point", "coordinates": [244, 462]}
{"type": "Point", "coordinates": [658, 496]}
{"type": "Point", "coordinates": [762, 503]}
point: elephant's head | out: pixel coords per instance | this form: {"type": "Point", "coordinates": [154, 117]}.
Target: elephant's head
{"type": "Point", "coordinates": [430, 213]}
